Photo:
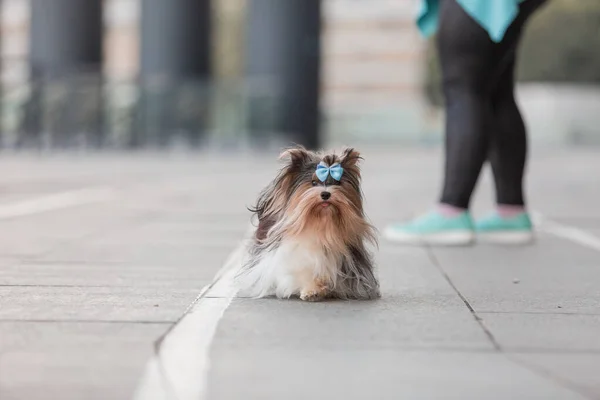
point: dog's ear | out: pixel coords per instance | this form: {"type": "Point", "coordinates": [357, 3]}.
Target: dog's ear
{"type": "Point", "coordinates": [295, 156]}
{"type": "Point", "coordinates": [350, 157]}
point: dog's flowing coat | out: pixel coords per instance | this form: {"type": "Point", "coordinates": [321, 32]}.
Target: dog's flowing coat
{"type": "Point", "coordinates": [312, 235]}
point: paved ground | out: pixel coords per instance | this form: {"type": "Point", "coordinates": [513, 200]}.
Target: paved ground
{"type": "Point", "coordinates": [100, 256]}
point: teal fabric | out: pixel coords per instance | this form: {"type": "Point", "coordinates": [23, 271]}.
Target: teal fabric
{"type": "Point", "coordinates": [495, 16]}
{"type": "Point", "coordinates": [495, 223]}
{"type": "Point", "coordinates": [324, 171]}
{"type": "Point", "coordinates": [434, 222]}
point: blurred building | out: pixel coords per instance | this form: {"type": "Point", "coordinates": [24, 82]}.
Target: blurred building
{"type": "Point", "coordinates": [371, 70]}
{"type": "Point", "coordinates": [121, 39]}
{"type": "Point", "coordinates": [372, 50]}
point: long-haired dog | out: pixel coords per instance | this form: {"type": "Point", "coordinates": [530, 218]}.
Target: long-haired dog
{"type": "Point", "coordinates": [312, 232]}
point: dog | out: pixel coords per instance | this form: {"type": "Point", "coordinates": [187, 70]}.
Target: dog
{"type": "Point", "coordinates": [312, 234]}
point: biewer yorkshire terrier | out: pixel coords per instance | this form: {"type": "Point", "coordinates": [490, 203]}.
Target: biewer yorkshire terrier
{"type": "Point", "coordinates": [312, 234]}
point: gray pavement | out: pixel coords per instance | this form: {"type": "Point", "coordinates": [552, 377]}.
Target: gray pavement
{"type": "Point", "coordinates": [86, 290]}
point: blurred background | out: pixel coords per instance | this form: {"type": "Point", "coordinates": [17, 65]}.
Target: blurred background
{"type": "Point", "coordinates": [117, 74]}
{"type": "Point", "coordinates": [102, 250]}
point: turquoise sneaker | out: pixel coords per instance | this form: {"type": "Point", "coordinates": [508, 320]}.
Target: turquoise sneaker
{"type": "Point", "coordinates": [496, 229]}
{"type": "Point", "coordinates": [434, 229]}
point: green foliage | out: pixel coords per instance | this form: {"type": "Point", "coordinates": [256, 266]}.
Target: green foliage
{"type": "Point", "coordinates": [561, 44]}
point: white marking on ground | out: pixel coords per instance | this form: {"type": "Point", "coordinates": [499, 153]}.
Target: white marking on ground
{"type": "Point", "coordinates": [575, 235]}
{"type": "Point", "coordinates": [180, 370]}
{"type": "Point", "coordinates": [56, 201]}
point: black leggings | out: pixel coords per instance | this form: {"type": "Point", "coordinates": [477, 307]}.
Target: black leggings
{"type": "Point", "coordinates": [483, 121]}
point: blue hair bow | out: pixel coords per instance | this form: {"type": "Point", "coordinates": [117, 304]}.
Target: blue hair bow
{"type": "Point", "coordinates": [335, 171]}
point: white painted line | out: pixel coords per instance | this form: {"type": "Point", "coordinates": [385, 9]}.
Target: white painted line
{"type": "Point", "coordinates": [575, 235]}
{"type": "Point", "coordinates": [56, 201]}
{"type": "Point", "coordinates": [180, 370]}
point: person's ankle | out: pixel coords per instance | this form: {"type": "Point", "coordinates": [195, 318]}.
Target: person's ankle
{"type": "Point", "coordinates": [449, 211]}
{"type": "Point", "coordinates": [509, 210]}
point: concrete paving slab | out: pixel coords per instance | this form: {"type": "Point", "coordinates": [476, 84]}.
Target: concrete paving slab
{"type": "Point", "coordinates": [578, 370]}
{"type": "Point", "coordinates": [8, 261]}
{"type": "Point", "coordinates": [595, 230]}
{"type": "Point", "coordinates": [175, 254]}
{"type": "Point", "coordinates": [409, 270]}
{"type": "Point", "coordinates": [95, 303]}
{"type": "Point", "coordinates": [152, 234]}
{"type": "Point", "coordinates": [167, 230]}
{"type": "Point", "coordinates": [417, 309]}
{"type": "Point", "coordinates": [73, 360]}
{"type": "Point", "coordinates": [113, 275]}
{"type": "Point", "coordinates": [589, 224]}
{"type": "Point", "coordinates": [33, 235]}
{"type": "Point", "coordinates": [300, 373]}
{"type": "Point", "coordinates": [151, 241]}
{"type": "Point", "coordinates": [7, 198]}
{"type": "Point", "coordinates": [553, 275]}
{"type": "Point", "coordinates": [545, 332]}
{"type": "Point", "coordinates": [35, 245]}
{"type": "Point", "coordinates": [389, 323]}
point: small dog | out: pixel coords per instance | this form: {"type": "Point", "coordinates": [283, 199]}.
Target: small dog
{"type": "Point", "coordinates": [312, 232]}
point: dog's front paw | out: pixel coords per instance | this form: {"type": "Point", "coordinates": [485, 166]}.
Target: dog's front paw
{"type": "Point", "coordinates": [311, 295]}
{"type": "Point", "coordinates": [314, 294]}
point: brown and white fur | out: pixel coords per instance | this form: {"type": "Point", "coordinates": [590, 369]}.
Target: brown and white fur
{"type": "Point", "coordinates": [310, 247]}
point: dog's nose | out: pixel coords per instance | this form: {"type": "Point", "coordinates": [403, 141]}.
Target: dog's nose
{"type": "Point", "coordinates": [325, 195]}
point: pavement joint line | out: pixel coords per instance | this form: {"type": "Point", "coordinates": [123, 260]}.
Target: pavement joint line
{"type": "Point", "coordinates": [179, 368]}
{"type": "Point", "coordinates": [17, 285]}
{"type": "Point", "coordinates": [543, 350]}
{"type": "Point", "coordinates": [56, 201]}
{"type": "Point", "coordinates": [106, 286]}
{"type": "Point", "coordinates": [405, 349]}
{"type": "Point", "coordinates": [74, 262]}
{"type": "Point", "coordinates": [477, 318]}
{"type": "Point", "coordinates": [84, 321]}
{"type": "Point", "coordinates": [36, 261]}
{"type": "Point", "coordinates": [589, 314]}
{"type": "Point", "coordinates": [568, 232]}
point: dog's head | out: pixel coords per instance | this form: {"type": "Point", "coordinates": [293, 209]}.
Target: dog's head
{"type": "Point", "coordinates": [317, 191]}
{"type": "Point", "coordinates": [321, 185]}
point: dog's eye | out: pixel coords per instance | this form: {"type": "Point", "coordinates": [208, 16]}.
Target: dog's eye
{"type": "Point", "coordinates": [315, 183]}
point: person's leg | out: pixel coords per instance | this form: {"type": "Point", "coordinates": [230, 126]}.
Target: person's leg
{"type": "Point", "coordinates": [508, 145]}
{"type": "Point", "coordinates": [467, 62]}
{"type": "Point", "coordinates": [510, 223]}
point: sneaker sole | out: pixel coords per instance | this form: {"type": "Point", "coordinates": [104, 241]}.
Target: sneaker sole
{"type": "Point", "coordinates": [506, 238]}
{"type": "Point", "coordinates": [453, 238]}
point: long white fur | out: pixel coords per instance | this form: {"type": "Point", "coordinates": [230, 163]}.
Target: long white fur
{"type": "Point", "coordinates": [282, 272]}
